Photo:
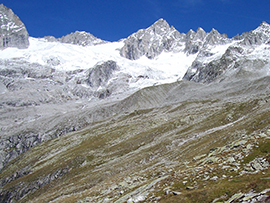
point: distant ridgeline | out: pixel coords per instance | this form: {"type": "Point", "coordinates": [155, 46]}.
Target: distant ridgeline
{"type": "Point", "coordinates": [12, 30]}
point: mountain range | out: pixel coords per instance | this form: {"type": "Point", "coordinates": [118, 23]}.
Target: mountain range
{"type": "Point", "coordinates": [160, 116]}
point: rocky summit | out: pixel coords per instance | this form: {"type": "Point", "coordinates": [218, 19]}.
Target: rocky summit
{"type": "Point", "coordinates": [160, 116]}
{"type": "Point", "coordinates": [80, 38]}
{"type": "Point", "coordinates": [12, 32]}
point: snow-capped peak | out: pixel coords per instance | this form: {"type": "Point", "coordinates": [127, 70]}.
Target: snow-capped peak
{"type": "Point", "coordinates": [264, 28]}
{"type": "Point", "coordinates": [151, 41]}
{"type": "Point", "coordinates": [159, 54]}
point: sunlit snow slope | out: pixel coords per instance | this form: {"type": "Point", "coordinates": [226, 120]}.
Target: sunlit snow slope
{"type": "Point", "coordinates": [167, 67]}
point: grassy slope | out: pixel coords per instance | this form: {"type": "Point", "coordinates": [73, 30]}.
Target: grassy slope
{"type": "Point", "coordinates": [116, 156]}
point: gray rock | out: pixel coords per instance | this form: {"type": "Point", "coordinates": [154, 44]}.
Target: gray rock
{"type": "Point", "coordinates": [268, 132]}
{"type": "Point", "coordinates": [230, 160]}
{"type": "Point", "coordinates": [53, 61]}
{"type": "Point", "coordinates": [194, 41]}
{"type": "Point", "coordinates": [190, 188]}
{"type": "Point", "coordinates": [215, 178]}
{"type": "Point", "coordinates": [30, 187]}
{"type": "Point", "coordinates": [12, 32]}
{"type": "Point", "coordinates": [151, 41]}
{"type": "Point", "coordinates": [233, 60]}
{"type": "Point", "coordinates": [259, 164]}
{"type": "Point", "coordinates": [160, 37]}
{"type": "Point", "coordinates": [100, 74]}
{"type": "Point", "coordinates": [176, 193]}
{"type": "Point", "coordinates": [235, 197]}
{"type": "Point", "coordinates": [258, 36]}
{"type": "Point", "coordinates": [50, 38]}
{"type": "Point", "coordinates": [81, 38]}
{"type": "Point", "coordinates": [214, 37]}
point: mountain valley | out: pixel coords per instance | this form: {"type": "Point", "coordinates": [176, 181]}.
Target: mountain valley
{"type": "Point", "coordinates": [160, 116]}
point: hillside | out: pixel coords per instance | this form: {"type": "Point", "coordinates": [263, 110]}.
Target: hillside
{"type": "Point", "coordinates": [160, 116]}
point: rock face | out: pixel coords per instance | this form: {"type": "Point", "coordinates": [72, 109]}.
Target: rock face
{"type": "Point", "coordinates": [161, 37]}
{"type": "Point", "coordinates": [100, 74]}
{"type": "Point", "coordinates": [12, 32]}
{"type": "Point", "coordinates": [258, 36]}
{"type": "Point", "coordinates": [80, 38]}
{"type": "Point", "coordinates": [151, 41]}
{"type": "Point", "coordinates": [25, 85]}
{"type": "Point", "coordinates": [234, 58]}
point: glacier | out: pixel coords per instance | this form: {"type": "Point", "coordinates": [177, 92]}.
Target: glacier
{"type": "Point", "coordinates": [158, 80]}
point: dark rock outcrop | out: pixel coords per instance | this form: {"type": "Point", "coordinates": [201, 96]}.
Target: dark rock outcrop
{"type": "Point", "coordinates": [100, 74]}
{"type": "Point", "coordinates": [12, 32]}
{"type": "Point", "coordinates": [200, 72]}
{"type": "Point", "coordinates": [19, 193]}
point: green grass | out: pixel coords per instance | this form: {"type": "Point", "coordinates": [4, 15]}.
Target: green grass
{"type": "Point", "coordinates": [114, 148]}
{"type": "Point", "coordinates": [263, 150]}
{"type": "Point", "coordinates": [207, 191]}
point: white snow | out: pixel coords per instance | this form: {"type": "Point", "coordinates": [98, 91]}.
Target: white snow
{"type": "Point", "coordinates": [217, 51]}
{"type": "Point", "coordinates": [166, 68]}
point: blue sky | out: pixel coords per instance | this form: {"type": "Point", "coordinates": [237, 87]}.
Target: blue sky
{"type": "Point", "coordinates": [115, 19]}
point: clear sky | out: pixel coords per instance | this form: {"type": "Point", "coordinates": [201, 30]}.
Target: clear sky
{"type": "Point", "coordinates": [116, 19]}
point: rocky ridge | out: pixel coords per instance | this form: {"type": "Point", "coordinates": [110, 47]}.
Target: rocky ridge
{"type": "Point", "coordinates": [13, 33]}
{"type": "Point", "coordinates": [161, 37]}
{"type": "Point", "coordinates": [234, 58]}
{"type": "Point", "coordinates": [152, 41]}
{"type": "Point", "coordinates": [81, 38]}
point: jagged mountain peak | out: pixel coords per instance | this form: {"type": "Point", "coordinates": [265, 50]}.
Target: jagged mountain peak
{"type": "Point", "coordinates": [258, 36]}
{"type": "Point", "coordinates": [214, 31]}
{"type": "Point", "coordinates": [4, 8]}
{"type": "Point", "coordinates": [81, 38]}
{"type": "Point", "coordinates": [217, 33]}
{"type": "Point", "coordinates": [160, 27]}
{"type": "Point", "coordinates": [150, 41]}
{"type": "Point", "coordinates": [214, 37]}
{"type": "Point", "coordinates": [190, 32]}
{"type": "Point", "coordinates": [200, 33]}
{"type": "Point", "coordinates": [264, 27]}
{"type": "Point", "coordinates": [200, 29]}
{"type": "Point", "coordinates": [162, 37]}
{"type": "Point", "coordinates": [161, 23]}
{"type": "Point", "coordinates": [13, 32]}
{"type": "Point", "coordinates": [264, 24]}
